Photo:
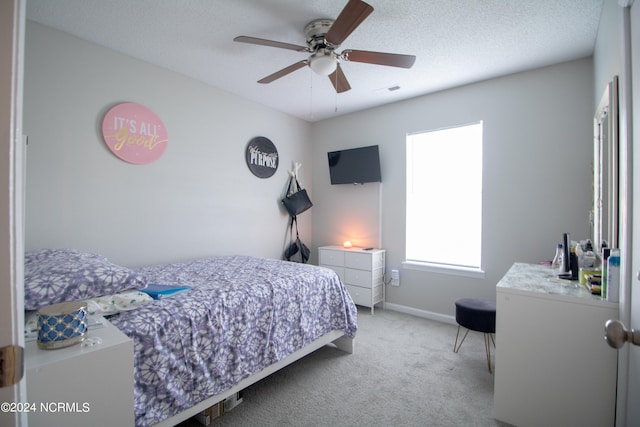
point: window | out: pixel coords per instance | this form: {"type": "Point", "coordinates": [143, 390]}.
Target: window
{"type": "Point", "coordinates": [444, 199]}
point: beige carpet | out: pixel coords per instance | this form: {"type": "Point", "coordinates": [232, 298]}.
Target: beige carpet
{"type": "Point", "coordinates": [403, 373]}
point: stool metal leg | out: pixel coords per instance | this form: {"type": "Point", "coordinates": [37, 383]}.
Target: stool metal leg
{"type": "Point", "coordinates": [488, 338]}
{"type": "Point", "coordinates": [455, 349]}
{"type": "Point", "coordinates": [487, 347]}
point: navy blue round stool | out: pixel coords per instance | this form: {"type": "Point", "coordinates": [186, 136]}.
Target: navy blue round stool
{"type": "Point", "coordinates": [476, 314]}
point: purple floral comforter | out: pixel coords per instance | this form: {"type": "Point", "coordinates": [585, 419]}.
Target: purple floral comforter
{"type": "Point", "coordinates": [242, 315]}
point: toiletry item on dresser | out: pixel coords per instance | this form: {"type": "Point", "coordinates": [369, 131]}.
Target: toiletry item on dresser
{"type": "Point", "coordinates": [588, 246]}
{"type": "Point", "coordinates": [565, 267]}
{"type": "Point", "coordinates": [575, 270]}
{"type": "Point", "coordinates": [569, 264]}
{"type": "Point", "coordinates": [613, 276]}
{"type": "Point", "coordinates": [557, 260]}
{"type": "Point", "coordinates": [579, 254]}
{"type": "Point", "coordinates": [606, 252]}
{"type": "Point", "coordinates": [589, 260]}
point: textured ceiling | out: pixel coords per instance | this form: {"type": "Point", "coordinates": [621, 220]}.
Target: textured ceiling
{"type": "Point", "coordinates": [455, 42]}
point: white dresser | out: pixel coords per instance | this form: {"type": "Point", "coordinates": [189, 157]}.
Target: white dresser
{"type": "Point", "coordinates": [82, 385]}
{"type": "Point", "coordinates": [361, 271]}
{"type": "Point", "coordinates": [553, 366]}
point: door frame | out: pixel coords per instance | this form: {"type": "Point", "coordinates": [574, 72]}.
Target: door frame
{"type": "Point", "coordinates": [12, 30]}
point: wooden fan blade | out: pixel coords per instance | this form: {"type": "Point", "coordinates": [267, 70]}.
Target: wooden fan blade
{"type": "Point", "coordinates": [339, 80]}
{"type": "Point", "coordinates": [379, 58]}
{"type": "Point", "coordinates": [288, 70]}
{"type": "Point", "coordinates": [351, 16]}
{"type": "Point", "coordinates": [271, 43]}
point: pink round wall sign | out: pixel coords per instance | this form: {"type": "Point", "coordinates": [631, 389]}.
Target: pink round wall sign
{"type": "Point", "coordinates": [134, 133]}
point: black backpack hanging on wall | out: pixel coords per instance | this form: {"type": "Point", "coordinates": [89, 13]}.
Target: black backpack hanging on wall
{"type": "Point", "coordinates": [296, 251]}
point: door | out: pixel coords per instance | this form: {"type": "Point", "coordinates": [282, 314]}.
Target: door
{"type": "Point", "coordinates": [633, 390]}
{"type": "Point", "coordinates": [12, 23]}
{"type": "Point", "coordinates": [628, 389]}
{"type": "Point", "coordinates": [628, 412]}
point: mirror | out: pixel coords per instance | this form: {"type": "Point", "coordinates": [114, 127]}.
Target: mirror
{"type": "Point", "coordinates": [605, 169]}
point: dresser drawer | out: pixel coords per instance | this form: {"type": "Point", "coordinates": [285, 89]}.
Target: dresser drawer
{"type": "Point", "coordinates": [331, 257]}
{"type": "Point", "coordinates": [358, 277]}
{"type": "Point", "coordinates": [358, 260]}
{"type": "Point", "coordinates": [338, 270]}
{"type": "Point", "coordinates": [360, 296]}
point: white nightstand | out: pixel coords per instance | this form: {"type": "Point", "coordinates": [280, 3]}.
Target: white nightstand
{"type": "Point", "coordinates": [82, 385]}
{"type": "Point", "coordinates": [361, 271]}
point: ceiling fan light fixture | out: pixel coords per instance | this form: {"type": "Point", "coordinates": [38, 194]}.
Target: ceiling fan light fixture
{"type": "Point", "coordinates": [323, 37]}
{"type": "Point", "coordinates": [323, 62]}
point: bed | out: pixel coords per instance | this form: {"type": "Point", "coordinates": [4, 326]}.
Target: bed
{"type": "Point", "coordinates": [243, 318]}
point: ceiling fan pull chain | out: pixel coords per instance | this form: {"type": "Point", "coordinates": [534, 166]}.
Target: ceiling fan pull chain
{"type": "Point", "coordinates": [311, 95]}
{"type": "Point", "coordinates": [336, 93]}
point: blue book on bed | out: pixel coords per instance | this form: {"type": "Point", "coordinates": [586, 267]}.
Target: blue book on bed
{"type": "Point", "coordinates": [158, 291]}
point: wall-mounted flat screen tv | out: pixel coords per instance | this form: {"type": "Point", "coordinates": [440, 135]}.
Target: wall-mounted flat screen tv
{"type": "Point", "coordinates": [355, 165]}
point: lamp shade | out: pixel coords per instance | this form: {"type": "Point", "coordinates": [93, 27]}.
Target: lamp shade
{"type": "Point", "coordinates": [323, 62]}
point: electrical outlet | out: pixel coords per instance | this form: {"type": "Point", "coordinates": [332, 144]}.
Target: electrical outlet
{"type": "Point", "coordinates": [395, 278]}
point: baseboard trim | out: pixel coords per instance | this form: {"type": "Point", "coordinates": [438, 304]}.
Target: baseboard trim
{"type": "Point", "coordinates": [444, 318]}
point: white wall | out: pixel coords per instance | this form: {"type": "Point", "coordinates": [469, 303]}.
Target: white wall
{"type": "Point", "coordinates": [607, 54]}
{"type": "Point", "coordinates": [537, 174]}
{"type": "Point", "coordinates": [198, 199]}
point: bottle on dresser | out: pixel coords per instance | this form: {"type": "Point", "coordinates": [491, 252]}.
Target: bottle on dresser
{"type": "Point", "coordinates": [557, 259]}
{"type": "Point", "coordinates": [606, 252]}
{"type": "Point", "coordinates": [613, 276]}
{"type": "Point", "coordinates": [589, 259]}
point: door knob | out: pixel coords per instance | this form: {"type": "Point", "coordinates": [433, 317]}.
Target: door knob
{"type": "Point", "coordinates": [616, 334]}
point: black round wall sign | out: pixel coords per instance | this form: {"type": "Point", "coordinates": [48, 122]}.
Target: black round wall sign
{"type": "Point", "coordinates": [262, 157]}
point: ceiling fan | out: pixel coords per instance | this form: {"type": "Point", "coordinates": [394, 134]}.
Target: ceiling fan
{"type": "Point", "coordinates": [323, 37]}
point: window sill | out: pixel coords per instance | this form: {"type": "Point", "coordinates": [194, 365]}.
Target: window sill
{"type": "Point", "coordinates": [476, 273]}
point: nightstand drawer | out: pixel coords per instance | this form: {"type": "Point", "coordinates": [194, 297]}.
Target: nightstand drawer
{"type": "Point", "coordinates": [360, 296]}
{"type": "Point", "coordinates": [330, 257]}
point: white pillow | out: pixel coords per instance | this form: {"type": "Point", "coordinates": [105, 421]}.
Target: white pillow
{"type": "Point", "coordinates": [112, 304]}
